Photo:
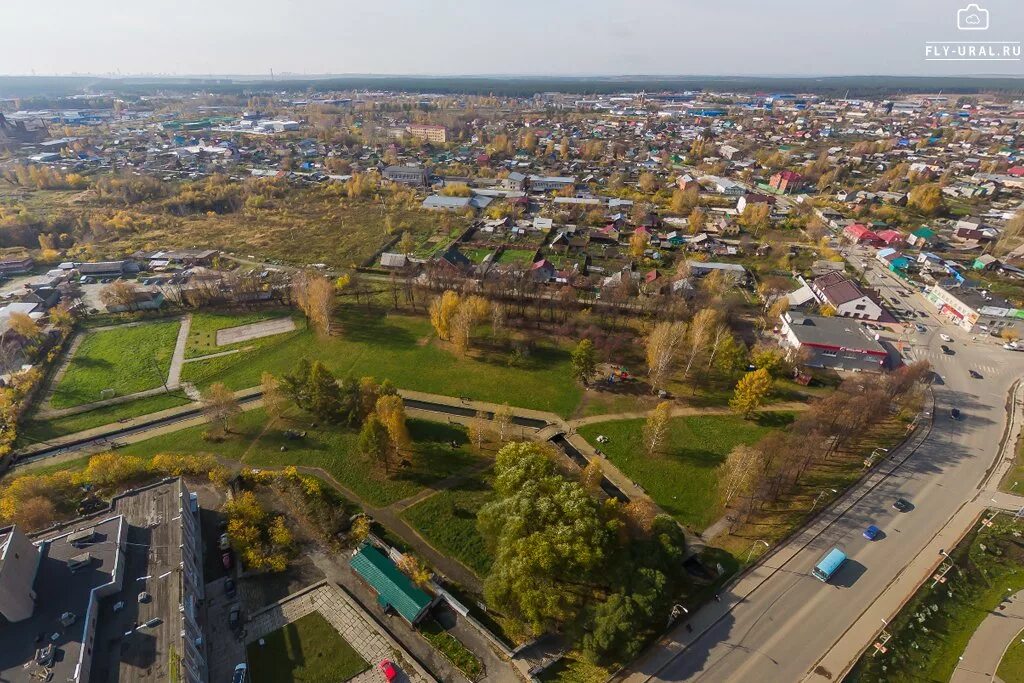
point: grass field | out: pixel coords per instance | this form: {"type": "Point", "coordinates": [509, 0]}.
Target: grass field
{"type": "Point", "coordinates": [402, 349]}
{"type": "Point", "coordinates": [127, 360]}
{"type": "Point", "coordinates": [517, 256]}
{"type": "Point", "coordinates": [931, 632]}
{"type": "Point", "coordinates": [308, 650]}
{"type": "Point", "coordinates": [570, 669]}
{"type": "Point", "coordinates": [682, 479]}
{"type": "Point", "coordinates": [35, 430]}
{"type": "Point", "coordinates": [447, 520]}
{"type": "Point", "coordinates": [328, 447]}
{"type": "Point", "coordinates": [202, 335]}
{"type": "Point", "coordinates": [1011, 668]}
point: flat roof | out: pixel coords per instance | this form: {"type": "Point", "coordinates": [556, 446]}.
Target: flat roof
{"type": "Point", "coordinates": [59, 590]}
{"type": "Point", "coordinates": [123, 648]}
{"type": "Point", "coordinates": [834, 331]}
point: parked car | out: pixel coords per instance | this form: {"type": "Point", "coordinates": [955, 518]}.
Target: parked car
{"type": "Point", "coordinates": [241, 672]}
{"type": "Point", "coordinates": [921, 328]}
{"type": "Point", "coordinates": [902, 505]}
{"type": "Point", "coordinates": [945, 337]}
{"type": "Point", "coordinates": [224, 542]}
{"type": "Point", "coordinates": [946, 350]}
{"type": "Point", "coordinates": [975, 374]}
{"type": "Point", "coordinates": [229, 588]}
{"type": "Point", "coordinates": [145, 597]}
{"type": "Point", "coordinates": [388, 669]}
{"type": "Point", "coordinates": [954, 413]}
{"type": "Point", "coordinates": [871, 533]}
{"type": "Point", "coordinates": [235, 618]}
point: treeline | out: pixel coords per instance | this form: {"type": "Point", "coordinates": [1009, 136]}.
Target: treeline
{"type": "Point", "coordinates": [763, 473]}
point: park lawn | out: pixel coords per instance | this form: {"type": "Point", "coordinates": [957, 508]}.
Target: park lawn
{"type": "Point", "coordinates": [329, 447]}
{"type": "Point", "coordinates": [202, 335]}
{"type": "Point", "coordinates": [308, 650]}
{"type": "Point", "coordinates": [403, 349]}
{"type": "Point", "coordinates": [683, 479]}
{"type": "Point", "coordinates": [1011, 667]}
{"type": "Point", "coordinates": [124, 359]}
{"type": "Point", "coordinates": [42, 429]}
{"type": "Point", "coordinates": [447, 520]}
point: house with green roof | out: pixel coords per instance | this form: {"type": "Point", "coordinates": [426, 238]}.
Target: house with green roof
{"type": "Point", "coordinates": [922, 238]}
{"type": "Point", "coordinates": [394, 589]}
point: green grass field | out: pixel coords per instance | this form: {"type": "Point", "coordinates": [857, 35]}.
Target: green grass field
{"type": "Point", "coordinates": [35, 430]}
{"type": "Point", "coordinates": [447, 520]}
{"type": "Point", "coordinates": [517, 256]}
{"type": "Point", "coordinates": [682, 479]}
{"type": "Point", "coordinates": [1011, 668]}
{"type": "Point", "coordinates": [202, 335]}
{"type": "Point", "coordinates": [402, 349]}
{"type": "Point", "coordinates": [127, 360]}
{"type": "Point", "coordinates": [331, 448]}
{"type": "Point", "coordinates": [308, 650]}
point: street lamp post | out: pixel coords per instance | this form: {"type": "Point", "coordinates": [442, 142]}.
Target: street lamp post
{"type": "Point", "coordinates": [820, 496]}
{"type": "Point", "coordinates": [754, 545]}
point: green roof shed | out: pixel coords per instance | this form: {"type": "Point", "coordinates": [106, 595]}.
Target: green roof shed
{"type": "Point", "coordinates": [394, 589]}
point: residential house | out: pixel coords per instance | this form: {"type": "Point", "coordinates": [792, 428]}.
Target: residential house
{"type": "Point", "coordinates": [753, 198]}
{"type": "Point", "coordinates": [786, 182]}
{"type": "Point", "coordinates": [145, 300]}
{"type": "Point", "coordinates": [891, 238]}
{"type": "Point", "coordinates": [542, 271]}
{"type": "Point", "coordinates": [736, 272]}
{"type": "Point", "coordinates": [922, 238]}
{"type": "Point", "coordinates": [986, 262]}
{"type": "Point", "coordinates": [860, 234]}
{"type": "Point", "coordinates": [14, 265]}
{"type": "Point", "coordinates": [846, 297]}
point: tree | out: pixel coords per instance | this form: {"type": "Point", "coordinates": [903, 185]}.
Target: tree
{"type": "Point", "coordinates": [412, 567]}
{"type": "Point", "coordinates": [369, 392]}
{"type": "Point", "coordinates": [656, 427]}
{"type": "Point", "coordinates": [648, 182]}
{"type": "Point", "coordinates": [638, 243]}
{"type": "Point", "coordinates": [24, 326]}
{"type": "Point", "coordinates": [738, 473]}
{"type": "Point", "coordinates": [62, 318]}
{"type": "Point", "coordinates": [503, 421]}
{"type": "Point", "coordinates": [442, 310]}
{"type": "Point", "coordinates": [360, 529]}
{"type": "Point", "coordinates": [470, 312]}
{"type": "Point", "coordinates": [273, 396]}
{"type": "Point", "coordinates": [295, 385]}
{"type": "Point", "coordinates": [391, 412]}
{"type": "Point", "coordinates": [375, 443]}
{"type": "Point", "coordinates": [926, 198]}
{"type": "Point", "coordinates": [120, 294]}
{"type": "Point", "coordinates": [751, 392]}
{"type": "Point", "coordinates": [323, 393]}
{"type": "Point", "coordinates": [663, 344]}
{"type": "Point", "coordinates": [755, 216]}
{"type": "Point", "coordinates": [591, 476]}
{"type": "Point", "coordinates": [583, 360]}
{"type": "Point", "coordinates": [684, 201]}
{"type": "Point", "coordinates": [406, 245]}
{"type": "Point", "coordinates": [696, 221]}
{"type": "Point", "coordinates": [221, 408]}
{"type": "Point", "coordinates": [701, 332]}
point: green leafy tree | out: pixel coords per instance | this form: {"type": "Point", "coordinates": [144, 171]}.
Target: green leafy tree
{"type": "Point", "coordinates": [295, 385]}
{"type": "Point", "coordinates": [375, 443]}
{"type": "Point", "coordinates": [324, 393]}
{"type": "Point", "coordinates": [583, 360]}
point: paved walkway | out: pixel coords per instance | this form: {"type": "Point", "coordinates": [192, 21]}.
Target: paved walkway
{"type": "Point", "coordinates": [178, 358]}
{"type": "Point", "coordinates": [986, 647]}
{"type": "Point", "coordinates": [371, 642]}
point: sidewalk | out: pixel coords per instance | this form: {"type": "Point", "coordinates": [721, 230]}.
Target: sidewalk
{"type": "Point", "coordinates": [986, 647]}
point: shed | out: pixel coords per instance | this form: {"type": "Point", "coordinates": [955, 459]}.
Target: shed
{"type": "Point", "coordinates": [393, 588]}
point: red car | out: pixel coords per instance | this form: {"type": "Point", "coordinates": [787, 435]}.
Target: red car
{"type": "Point", "coordinates": [388, 669]}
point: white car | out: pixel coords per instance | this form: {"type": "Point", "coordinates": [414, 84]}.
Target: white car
{"type": "Point", "coordinates": [945, 337]}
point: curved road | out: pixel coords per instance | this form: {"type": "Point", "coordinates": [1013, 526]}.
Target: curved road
{"type": "Point", "coordinates": [778, 621]}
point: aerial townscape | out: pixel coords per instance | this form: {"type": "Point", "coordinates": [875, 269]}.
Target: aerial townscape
{"type": "Point", "coordinates": [510, 378]}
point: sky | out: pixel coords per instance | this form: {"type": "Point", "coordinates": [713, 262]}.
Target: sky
{"type": "Point", "coordinates": [523, 37]}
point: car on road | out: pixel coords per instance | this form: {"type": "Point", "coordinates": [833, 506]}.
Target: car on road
{"type": "Point", "coordinates": [871, 533]}
{"type": "Point", "coordinates": [235, 618]}
{"type": "Point", "coordinates": [387, 669]}
{"type": "Point", "coordinates": [902, 505]}
{"type": "Point", "coordinates": [240, 673]}
{"type": "Point", "coordinates": [921, 328]}
{"type": "Point", "coordinates": [975, 374]}
{"type": "Point", "coordinates": [954, 413]}
{"type": "Point", "coordinates": [144, 597]}
{"type": "Point", "coordinates": [946, 350]}
{"type": "Point", "coordinates": [945, 337]}
{"type": "Point", "coordinates": [224, 542]}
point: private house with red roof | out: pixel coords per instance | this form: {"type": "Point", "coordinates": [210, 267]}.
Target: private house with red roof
{"type": "Point", "coordinates": [846, 297]}
{"type": "Point", "coordinates": [786, 182]}
{"type": "Point", "coordinates": [860, 234]}
{"type": "Point", "coordinates": [1016, 171]}
{"type": "Point", "coordinates": [891, 238]}
{"type": "Point", "coordinates": [542, 271]}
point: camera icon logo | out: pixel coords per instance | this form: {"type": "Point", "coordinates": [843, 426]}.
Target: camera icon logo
{"type": "Point", "coordinates": [972, 18]}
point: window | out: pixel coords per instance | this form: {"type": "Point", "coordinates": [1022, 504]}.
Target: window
{"type": "Point", "coordinates": [830, 354]}
{"type": "Point", "coordinates": [860, 307]}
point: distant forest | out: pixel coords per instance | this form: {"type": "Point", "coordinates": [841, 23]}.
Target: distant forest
{"type": "Point", "coordinates": [856, 86]}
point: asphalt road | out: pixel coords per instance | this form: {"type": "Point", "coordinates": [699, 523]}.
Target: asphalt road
{"type": "Point", "coordinates": [779, 631]}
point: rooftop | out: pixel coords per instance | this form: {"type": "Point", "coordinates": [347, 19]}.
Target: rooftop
{"type": "Point", "coordinates": [832, 331]}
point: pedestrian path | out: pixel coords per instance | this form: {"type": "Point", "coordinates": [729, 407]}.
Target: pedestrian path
{"type": "Point", "coordinates": [986, 647]}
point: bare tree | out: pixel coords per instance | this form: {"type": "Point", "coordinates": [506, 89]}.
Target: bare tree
{"type": "Point", "coordinates": [663, 344]}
